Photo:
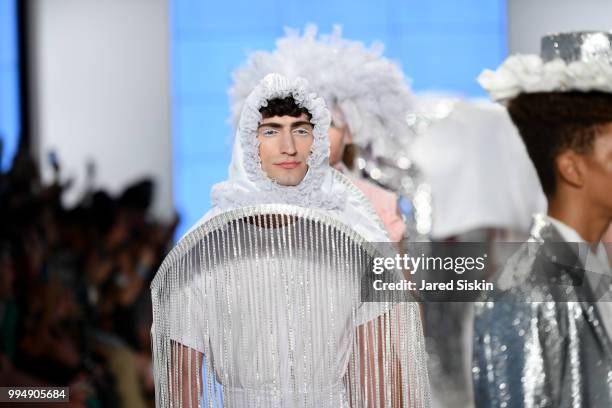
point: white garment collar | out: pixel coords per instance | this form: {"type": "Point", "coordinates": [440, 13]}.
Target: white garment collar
{"type": "Point", "coordinates": [571, 235]}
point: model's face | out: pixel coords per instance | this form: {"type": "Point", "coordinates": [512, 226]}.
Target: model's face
{"type": "Point", "coordinates": [284, 147]}
{"type": "Point", "coordinates": [598, 169]}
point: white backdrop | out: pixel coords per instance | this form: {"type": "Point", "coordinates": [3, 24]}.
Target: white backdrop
{"type": "Point", "coordinates": [101, 91]}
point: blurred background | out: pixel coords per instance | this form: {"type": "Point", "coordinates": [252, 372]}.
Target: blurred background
{"type": "Point", "coordinates": [114, 125]}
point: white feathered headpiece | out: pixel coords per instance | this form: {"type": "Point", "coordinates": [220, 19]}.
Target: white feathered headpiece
{"type": "Point", "coordinates": [370, 90]}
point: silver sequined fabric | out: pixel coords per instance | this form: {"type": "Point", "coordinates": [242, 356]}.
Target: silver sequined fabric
{"type": "Point", "coordinates": [585, 46]}
{"type": "Point", "coordinates": [540, 342]}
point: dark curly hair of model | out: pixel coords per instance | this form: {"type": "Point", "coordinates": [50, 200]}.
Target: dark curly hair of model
{"type": "Point", "coordinates": [283, 107]}
{"type": "Point", "coordinates": [551, 122]}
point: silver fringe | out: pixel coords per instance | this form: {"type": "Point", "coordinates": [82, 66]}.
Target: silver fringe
{"type": "Point", "coordinates": [261, 307]}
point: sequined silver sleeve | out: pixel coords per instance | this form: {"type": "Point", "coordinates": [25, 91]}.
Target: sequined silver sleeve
{"type": "Point", "coordinates": [538, 343]}
{"type": "Point", "coordinates": [520, 352]}
{"type": "Point", "coordinates": [539, 340]}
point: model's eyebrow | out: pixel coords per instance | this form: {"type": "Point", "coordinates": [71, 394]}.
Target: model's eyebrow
{"type": "Point", "coordinates": [279, 126]}
{"type": "Point", "coordinates": [301, 123]}
{"type": "Point", "coordinates": [270, 124]}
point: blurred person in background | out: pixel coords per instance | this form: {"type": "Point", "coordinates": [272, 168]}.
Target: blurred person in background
{"type": "Point", "coordinates": [74, 298]}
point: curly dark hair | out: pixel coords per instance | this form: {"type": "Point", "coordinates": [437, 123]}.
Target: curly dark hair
{"type": "Point", "coordinates": [551, 122]}
{"type": "Point", "coordinates": [283, 107]}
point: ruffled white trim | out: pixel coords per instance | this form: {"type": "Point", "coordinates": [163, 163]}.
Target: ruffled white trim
{"type": "Point", "coordinates": [529, 74]}
{"type": "Point", "coordinates": [323, 188]}
{"type": "Point", "coordinates": [309, 193]}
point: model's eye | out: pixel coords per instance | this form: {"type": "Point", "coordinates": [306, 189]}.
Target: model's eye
{"type": "Point", "coordinates": [269, 132]}
{"type": "Point", "coordinates": [301, 132]}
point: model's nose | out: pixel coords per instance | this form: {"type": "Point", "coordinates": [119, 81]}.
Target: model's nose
{"type": "Point", "coordinates": [287, 143]}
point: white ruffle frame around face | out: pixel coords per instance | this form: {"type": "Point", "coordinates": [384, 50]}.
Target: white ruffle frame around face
{"type": "Point", "coordinates": [258, 186]}
{"type": "Point", "coordinates": [529, 74]}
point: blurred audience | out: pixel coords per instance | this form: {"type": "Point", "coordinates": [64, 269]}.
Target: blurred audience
{"type": "Point", "coordinates": [74, 288]}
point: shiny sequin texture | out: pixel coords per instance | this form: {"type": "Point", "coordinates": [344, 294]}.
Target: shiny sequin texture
{"type": "Point", "coordinates": [541, 343]}
{"type": "Point", "coordinates": [593, 47]}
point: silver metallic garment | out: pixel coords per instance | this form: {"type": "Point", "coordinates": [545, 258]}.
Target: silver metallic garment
{"type": "Point", "coordinates": [261, 307]}
{"type": "Point", "coordinates": [590, 47]}
{"type": "Point", "coordinates": [540, 342]}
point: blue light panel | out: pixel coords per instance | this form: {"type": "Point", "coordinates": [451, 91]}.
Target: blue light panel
{"type": "Point", "coordinates": [441, 45]}
{"type": "Point", "coordinates": [9, 82]}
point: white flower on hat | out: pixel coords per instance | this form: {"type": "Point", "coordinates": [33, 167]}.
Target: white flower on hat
{"type": "Point", "coordinates": [529, 74]}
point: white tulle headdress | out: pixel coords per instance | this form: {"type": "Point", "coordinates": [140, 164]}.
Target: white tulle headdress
{"type": "Point", "coordinates": [369, 89]}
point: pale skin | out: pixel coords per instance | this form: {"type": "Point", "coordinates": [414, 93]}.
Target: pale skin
{"type": "Point", "coordinates": [287, 139]}
{"type": "Point", "coordinates": [583, 196]}
{"type": "Point", "coordinates": [284, 147]}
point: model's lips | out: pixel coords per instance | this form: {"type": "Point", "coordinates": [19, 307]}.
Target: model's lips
{"type": "Point", "coordinates": [288, 164]}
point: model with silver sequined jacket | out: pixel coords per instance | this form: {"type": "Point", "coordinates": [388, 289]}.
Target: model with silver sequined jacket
{"type": "Point", "coordinates": [541, 342]}
{"type": "Point", "coordinates": [543, 338]}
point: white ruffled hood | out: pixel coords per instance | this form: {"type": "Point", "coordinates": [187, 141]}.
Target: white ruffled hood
{"type": "Point", "coordinates": [248, 184]}
{"type": "Point", "coordinates": [323, 188]}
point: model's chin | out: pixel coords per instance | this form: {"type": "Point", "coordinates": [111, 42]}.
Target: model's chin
{"type": "Point", "coordinates": [288, 179]}
{"type": "Point", "coordinates": [289, 182]}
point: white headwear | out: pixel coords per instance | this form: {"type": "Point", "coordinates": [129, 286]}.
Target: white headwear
{"type": "Point", "coordinates": [574, 61]}
{"type": "Point", "coordinates": [370, 90]}
{"type": "Point", "coordinates": [322, 188]}
{"type": "Point", "coordinates": [465, 172]}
